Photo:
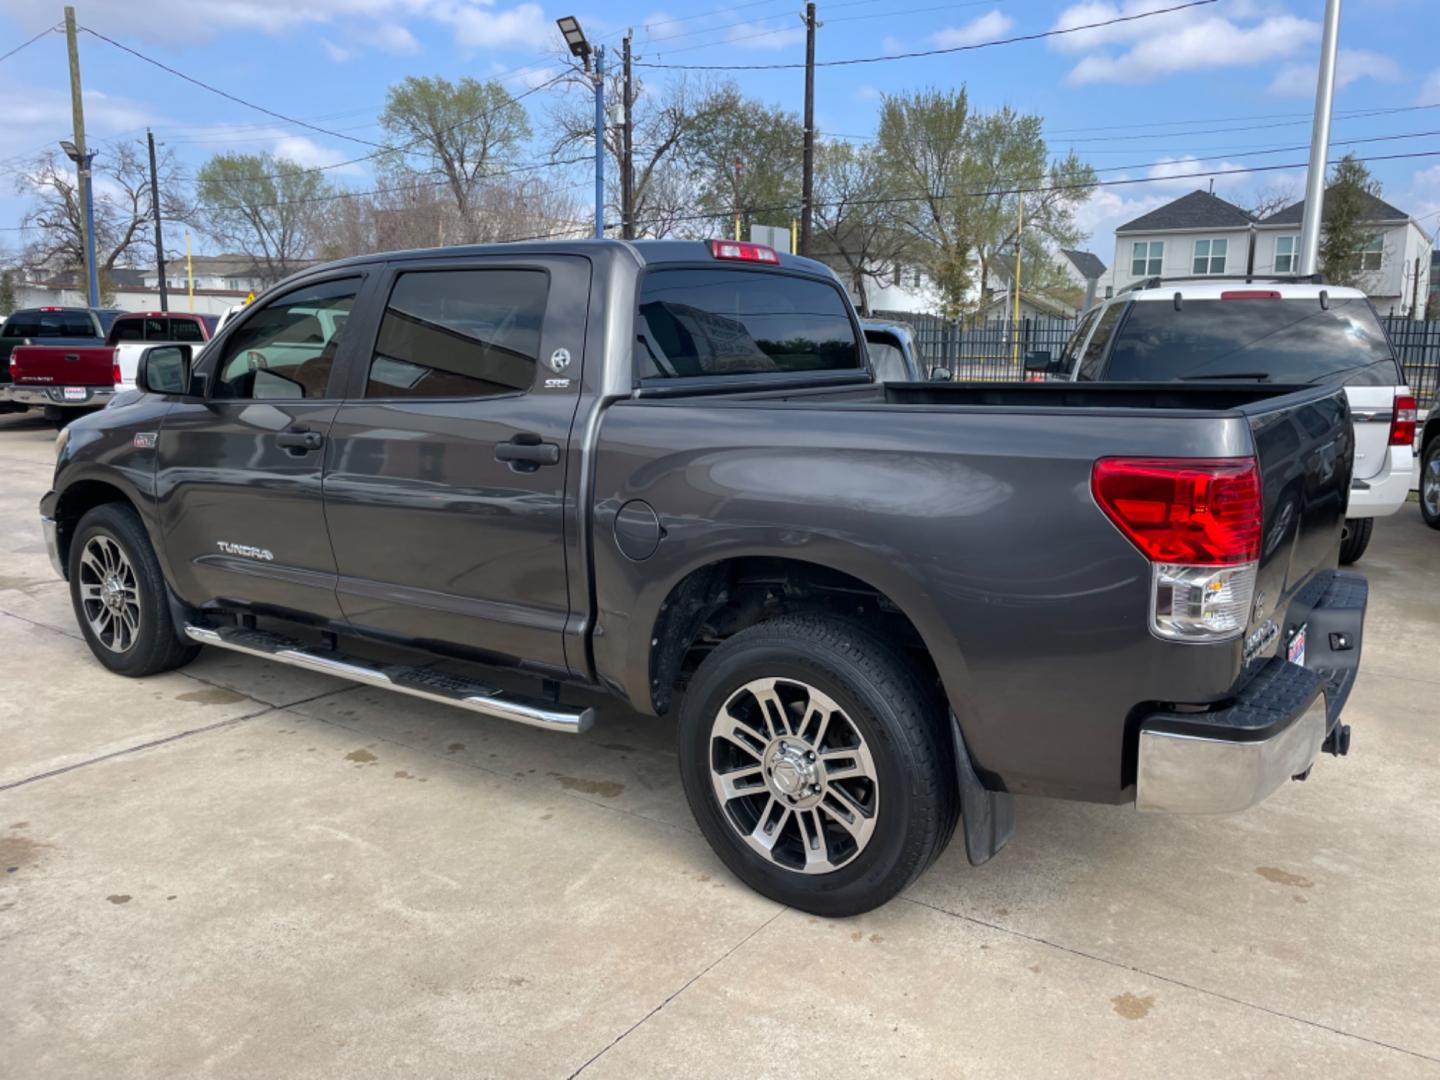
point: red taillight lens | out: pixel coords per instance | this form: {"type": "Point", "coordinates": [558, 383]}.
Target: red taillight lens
{"type": "Point", "coordinates": [115, 372]}
{"type": "Point", "coordinates": [1194, 511]}
{"type": "Point", "coordinates": [1249, 294]}
{"type": "Point", "coordinates": [1402, 428]}
{"type": "Point", "coordinates": [743, 252]}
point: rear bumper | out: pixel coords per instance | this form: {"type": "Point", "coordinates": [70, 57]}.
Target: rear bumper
{"type": "Point", "coordinates": [94, 397]}
{"type": "Point", "coordinates": [1384, 493]}
{"type": "Point", "coordinates": [1231, 758]}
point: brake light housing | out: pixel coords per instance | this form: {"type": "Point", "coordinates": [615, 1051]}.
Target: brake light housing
{"type": "Point", "coordinates": [115, 368]}
{"type": "Point", "coordinates": [742, 251]}
{"type": "Point", "coordinates": [1250, 294]}
{"type": "Point", "coordinates": [1402, 427]}
{"type": "Point", "coordinates": [1198, 522]}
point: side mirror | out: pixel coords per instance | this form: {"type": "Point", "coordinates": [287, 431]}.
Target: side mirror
{"type": "Point", "coordinates": [941, 374]}
{"type": "Point", "coordinates": [1039, 360]}
{"type": "Point", "coordinates": [164, 369]}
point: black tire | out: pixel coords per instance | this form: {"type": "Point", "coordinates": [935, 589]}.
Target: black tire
{"type": "Point", "coordinates": [1356, 539]}
{"type": "Point", "coordinates": [152, 646]}
{"type": "Point", "coordinates": [902, 722]}
{"type": "Point", "coordinates": [1430, 483]}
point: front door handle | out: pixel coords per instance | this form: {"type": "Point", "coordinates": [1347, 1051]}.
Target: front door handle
{"type": "Point", "coordinates": [300, 441]}
{"type": "Point", "coordinates": [526, 452]}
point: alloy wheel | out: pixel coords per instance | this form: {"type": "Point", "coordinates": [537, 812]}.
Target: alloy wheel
{"type": "Point", "coordinates": [1430, 485]}
{"type": "Point", "coordinates": [109, 593]}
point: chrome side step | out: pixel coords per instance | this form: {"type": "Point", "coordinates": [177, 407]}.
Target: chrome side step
{"type": "Point", "coordinates": [417, 681]}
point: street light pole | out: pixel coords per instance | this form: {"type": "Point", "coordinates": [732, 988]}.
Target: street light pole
{"type": "Point", "coordinates": [1319, 142]}
{"type": "Point", "coordinates": [600, 142]}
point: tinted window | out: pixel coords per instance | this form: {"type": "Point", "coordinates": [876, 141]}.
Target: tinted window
{"type": "Point", "coordinates": [49, 324]}
{"type": "Point", "coordinates": [183, 330]}
{"type": "Point", "coordinates": [287, 348]}
{"type": "Point", "coordinates": [741, 322]}
{"type": "Point", "coordinates": [1095, 350]}
{"type": "Point", "coordinates": [1287, 341]}
{"type": "Point", "coordinates": [459, 334]}
{"type": "Point", "coordinates": [886, 357]}
{"type": "Point", "coordinates": [76, 324]}
{"type": "Point", "coordinates": [22, 324]}
{"type": "Point", "coordinates": [128, 330]}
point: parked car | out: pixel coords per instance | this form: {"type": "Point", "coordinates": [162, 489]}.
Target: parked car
{"type": "Point", "coordinates": [891, 346]}
{"type": "Point", "coordinates": [52, 326]}
{"type": "Point", "coordinates": [1430, 465]}
{"type": "Point", "coordinates": [64, 380]}
{"type": "Point", "coordinates": [666, 470]}
{"type": "Point", "coordinates": [1277, 330]}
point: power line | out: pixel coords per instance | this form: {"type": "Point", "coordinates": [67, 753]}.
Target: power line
{"type": "Point", "coordinates": [32, 41]}
{"type": "Point", "coordinates": [1037, 36]}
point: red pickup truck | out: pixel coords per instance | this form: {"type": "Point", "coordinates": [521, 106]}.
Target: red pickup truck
{"type": "Point", "coordinates": [66, 379]}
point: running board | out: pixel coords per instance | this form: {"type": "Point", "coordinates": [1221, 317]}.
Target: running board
{"type": "Point", "coordinates": [419, 682]}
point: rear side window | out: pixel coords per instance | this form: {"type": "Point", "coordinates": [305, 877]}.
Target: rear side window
{"type": "Point", "coordinates": [698, 322]}
{"type": "Point", "coordinates": [1095, 351]}
{"type": "Point", "coordinates": [128, 330]}
{"type": "Point", "coordinates": [1283, 341]}
{"type": "Point", "coordinates": [186, 330]}
{"type": "Point", "coordinates": [459, 334]}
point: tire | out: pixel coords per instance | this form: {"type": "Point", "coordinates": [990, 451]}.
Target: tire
{"type": "Point", "coordinates": [884, 762]}
{"type": "Point", "coordinates": [1430, 483]}
{"type": "Point", "coordinates": [110, 556]}
{"type": "Point", "coordinates": [1356, 539]}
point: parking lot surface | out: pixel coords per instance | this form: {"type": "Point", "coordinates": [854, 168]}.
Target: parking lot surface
{"type": "Point", "coordinates": [241, 869]}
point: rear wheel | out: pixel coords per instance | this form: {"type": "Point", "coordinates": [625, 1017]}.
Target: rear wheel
{"type": "Point", "coordinates": [1355, 539]}
{"type": "Point", "coordinates": [817, 764]}
{"type": "Point", "coordinates": [119, 595]}
{"type": "Point", "coordinates": [1430, 483]}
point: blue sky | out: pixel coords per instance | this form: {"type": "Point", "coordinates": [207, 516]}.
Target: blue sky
{"type": "Point", "coordinates": [1222, 82]}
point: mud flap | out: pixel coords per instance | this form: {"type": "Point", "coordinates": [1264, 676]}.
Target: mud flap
{"type": "Point", "coordinates": [988, 817]}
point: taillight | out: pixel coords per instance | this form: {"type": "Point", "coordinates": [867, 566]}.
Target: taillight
{"type": "Point", "coordinates": [1198, 521]}
{"type": "Point", "coordinates": [743, 252]}
{"type": "Point", "coordinates": [115, 372]}
{"type": "Point", "coordinates": [1402, 428]}
{"type": "Point", "coordinates": [1250, 294]}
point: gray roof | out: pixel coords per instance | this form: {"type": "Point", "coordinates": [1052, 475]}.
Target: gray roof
{"type": "Point", "coordinates": [1376, 209]}
{"type": "Point", "coordinates": [1198, 210]}
{"type": "Point", "coordinates": [1088, 263]}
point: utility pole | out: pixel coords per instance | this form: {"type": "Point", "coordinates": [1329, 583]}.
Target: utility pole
{"type": "Point", "coordinates": [82, 158]}
{"type": "Point", "coordinates": [739, 172]}
{"type": "Point", "coordinates": [1415, 311]}
{"type": "Point", "coordinates": [627, 161]}
{"type": "Point", "coordinates": [600, 142]}
{"type": "Point", "coordinates": [159, 236]}
{"type": "Point", "coordinates": [1319, 142]}
{"type": "Point", "coordinates": [807, 183]}
{"type": "Point", "coordinates": [1015, 285]}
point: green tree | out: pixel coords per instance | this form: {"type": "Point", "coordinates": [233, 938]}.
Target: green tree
{"type": "Point", "coordinates": [1345, 232]}
{"type": "Point", "coordinates": [456, 133]}
{"type": "Point", "coordinates": [855, 229]}
{"type": "Point", "coordinates": [8, 300]}
{"type": "Point", "coordinates": [745, 155]}
{"type": "Point", "coordinates": [264, 207]}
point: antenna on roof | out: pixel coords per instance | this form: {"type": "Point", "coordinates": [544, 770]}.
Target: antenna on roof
{"type": "Point", "coordinates": [1212, 185]}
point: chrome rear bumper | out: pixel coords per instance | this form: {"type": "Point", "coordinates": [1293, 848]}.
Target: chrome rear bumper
{"type": "Point", "coordinates": [96, 397]}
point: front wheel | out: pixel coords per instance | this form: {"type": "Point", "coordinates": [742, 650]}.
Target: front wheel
{"type": "Point", "coordinates": [119, 597]}
{"type": "Point", "coordinates": [1430, 483]}
{"type": "Point", "coordinates": [1355, 539]}
{"type": "Point", "coordinates": [817, 764]}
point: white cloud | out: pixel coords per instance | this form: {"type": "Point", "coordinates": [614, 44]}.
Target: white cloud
{"type": "Point", "coordinates": [307, 152]}
{"type": "Point", "coordinates": [338, 54]}
{"type": "Point", "coordinates": [389, 37]}
{"type": "Point", "coordinates": [1430, 89]}
{"type": "Point", "coordinates": [1351, 65]}
{"type": "Point", "coordinates": [1147, 49]}
{"type": "Point", "coordinates": [760, 36]}
{"type": "Point", "coordinates": [890, 45]}
{"type": "Point", "coordinates": [985, 28]}
{"type": "Point", "coordinates": [481, 27]}
{"type": "Point", "coordinates": [1422, 200]}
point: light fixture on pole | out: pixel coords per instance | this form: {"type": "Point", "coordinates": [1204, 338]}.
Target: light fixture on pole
{"type": "Point", "coordinates": [580, 48]}
{"type": "Point", "coordinates": [82, 166]}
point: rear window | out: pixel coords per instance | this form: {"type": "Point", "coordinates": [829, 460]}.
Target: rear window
{"type": "Point", "coordinates": [49, 324]}
{"type": "Point", "coordinates": [1286, 341]}
{"type": "Point", "coordinates": [699, 322]}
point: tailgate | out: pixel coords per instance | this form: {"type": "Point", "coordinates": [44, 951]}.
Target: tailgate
{"type": "Point", "coordinates": [1306, 452]}
{"type": "Point", "coordinates": [63, 365]}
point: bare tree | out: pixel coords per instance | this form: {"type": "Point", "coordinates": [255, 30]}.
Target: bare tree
{"type": "Point", "coordinates": [1261, 204]}
{"type": "Point", "coordinates": [856, 230]}
{"type": "Point", "coordinates": [265, 207]}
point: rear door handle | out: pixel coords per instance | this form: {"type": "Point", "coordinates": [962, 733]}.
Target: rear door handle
{"type": "Point", "coordinates": [526, 452]}
{"type": "Point", "coordinates": [300, 442]}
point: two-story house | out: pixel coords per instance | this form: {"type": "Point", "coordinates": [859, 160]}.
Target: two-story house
{"type": "Point", "coordinates": [1197, 234]}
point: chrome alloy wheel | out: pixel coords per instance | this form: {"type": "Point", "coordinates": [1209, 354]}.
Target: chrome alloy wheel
{"type": "Point", "coordinates": [793, 775]}
{"type": "Point", "coordinates": [109, 593]}
{"type": "Point", "coordinates": [1430, 485]}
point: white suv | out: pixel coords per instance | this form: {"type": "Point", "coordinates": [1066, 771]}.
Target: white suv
{"type": "Point", "coordinates": [1279, 330]}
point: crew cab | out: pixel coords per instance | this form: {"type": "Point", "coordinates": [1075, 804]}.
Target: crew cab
{"type": "Point", "coordinates": [1265, 329]}
{"type": "Point", "coordinates": [63, 378]}
{"type": "Point", "coordinates": [51, 326]}
{"type": "Point", "coordinates": [666, 470]}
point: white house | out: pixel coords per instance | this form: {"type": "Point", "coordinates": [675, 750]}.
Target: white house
{"type": "Point", "coordinates": [219, 273]}
{"type": "Point", "coordinates": [1084, 270]}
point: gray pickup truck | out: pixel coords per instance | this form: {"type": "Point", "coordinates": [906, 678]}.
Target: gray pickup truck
{"type": "Point", "coordinates": [665, 470]}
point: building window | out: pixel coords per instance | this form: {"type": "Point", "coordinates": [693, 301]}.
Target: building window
{"type": "Point", "coordinates": [1285, 261]}
{"type": "Point", "coordinates": [1145, 258]}
{"type": "Point", "coordinates": [915, 278]}
{"type": "Point", "coordinates": [1210, 256]}
{"type": "Point", "coordinates": [1373, 253]}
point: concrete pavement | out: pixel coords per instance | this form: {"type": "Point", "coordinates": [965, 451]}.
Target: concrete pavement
{"type": "Point", "coordinates": [245, 870]}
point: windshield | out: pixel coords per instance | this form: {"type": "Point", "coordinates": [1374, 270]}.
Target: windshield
{"type": "Point", "coordinates": [1283, 341]}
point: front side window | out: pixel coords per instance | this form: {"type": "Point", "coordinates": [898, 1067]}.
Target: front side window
{"type": "Point", "coordinates": [1095, 352]}
{"type": "Point", "coordinates": [287, 348]}
{"type": "Point", "coordinates": [704, 322]}
{"type": "Point", "coordinates": [1072, 347]}
{"type": "Point", "coordinates": [459, 334]}
{"type": "Point", "coordinates": [1210, 256]}
{"type": "Point", "coordinates": [1285, 254]}
{"type": "Point", "coordinates": [1146, 258]}
{"type": "Point", "coordinates": [1372, 255]}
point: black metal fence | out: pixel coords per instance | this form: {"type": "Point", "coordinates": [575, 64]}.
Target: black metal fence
{"type": "Point", "coordinates": [993, 349]}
